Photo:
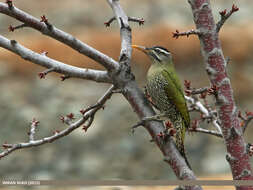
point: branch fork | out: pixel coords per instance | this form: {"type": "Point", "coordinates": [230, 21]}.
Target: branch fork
{"type": "Point", "coordinates": [206, 113]}
{"type": "Point", "coordinates": [224, 16]}
{"type": "Point", "coordinates": [140, 21]}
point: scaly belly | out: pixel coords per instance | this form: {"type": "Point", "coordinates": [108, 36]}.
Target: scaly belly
{"type": "Point", "coordinates": [156, 90]}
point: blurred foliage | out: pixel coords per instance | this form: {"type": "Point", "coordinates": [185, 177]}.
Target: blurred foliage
{"type": "Point", "coordinates": [108, 150]}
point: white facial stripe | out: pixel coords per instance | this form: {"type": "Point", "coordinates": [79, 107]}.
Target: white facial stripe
{"type": "Point", "coordinates": [163, 51]}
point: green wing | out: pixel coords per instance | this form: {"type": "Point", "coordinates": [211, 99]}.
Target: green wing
{"type": "Point", "coordinates": [175, 94]}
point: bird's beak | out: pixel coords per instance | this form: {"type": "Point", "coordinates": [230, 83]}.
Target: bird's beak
{"type": "Point", "coordinates": [141, 48]}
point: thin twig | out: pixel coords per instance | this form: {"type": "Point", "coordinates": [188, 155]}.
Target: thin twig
{"type": "Point", "coordinates": [59, 67]}
{"type": "Point", "coordinates": [224, 16]}
{"type": "Point", "coordinates": [197, 105]}
{"type": "Point", "coordinates": [13, 28]}
{"type": "Point", "coordinates": [210, 132]}
{"type": "Point", "coordinates": [138, 20]}
{"type": "Point", "coordinates": [108, 23]}
{"type": "Point", "coordinates": [42, 75]}
{"type": "Point", "coordinates": [246, 123]}
{"type": "Point", "coordinates": [177, 34]}
{"type": "Point", "coordinates": [132, 19]}
{"type": "Point", "coordinates": [57, 34]}
{"type": "Point", "coordinates": [246, 119]}
{"type": "Point", "coordinates": [196, 91]}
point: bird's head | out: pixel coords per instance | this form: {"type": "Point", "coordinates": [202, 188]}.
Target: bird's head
{"type": "Point", "coordinates": [157, 54]}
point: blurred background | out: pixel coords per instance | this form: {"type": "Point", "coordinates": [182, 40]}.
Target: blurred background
{"type": "Point", "coordinates": [109, 150]}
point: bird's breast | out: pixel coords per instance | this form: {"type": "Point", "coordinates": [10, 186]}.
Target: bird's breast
{"type": "Point", "coordinates": [156, 85]}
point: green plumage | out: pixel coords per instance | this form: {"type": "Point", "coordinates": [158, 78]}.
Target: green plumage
{"type": "Point", "coordinates": [166, 92]}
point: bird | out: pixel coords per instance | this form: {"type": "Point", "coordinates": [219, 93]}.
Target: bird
{"type": "Point", "coordinates": [166, 92]}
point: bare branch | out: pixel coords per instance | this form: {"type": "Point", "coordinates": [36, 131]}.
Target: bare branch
{"type": "Point", "coordinates": [196, 91]}
{"type": "Point", "coordinates": [226, 107]}
{"type": "Point", "coordinates": [108, 23]}
{"type": "Point", "coordinates": [245, 119]}
{"type": "Point", "coordinates": [12, 28]}
{"type": "Point", "coordinates": [57, 66]}
{"type": "Point", "coordinates": [58, 134]}
{"type": "Point", "coordinates": [43, 74]}
{"type": "Point", "coordinates": [59, 35]}
{"type": "Point", "coordinates": [125, 31]}
{"type": "Point", "coordinates": [177, 34]}
{"type": "Point", "coordinates": [206, 113]}
{"type": "Point", "coordinates": [138, 20]}
{"type": "Point", "coordinates": [210, 132]}
{"type": "Point", "coordinates": [246, 123]}
{"type": "Point", "coordinates": [132, 19]}
{"type": "Point", "coordinates": [224, 16]}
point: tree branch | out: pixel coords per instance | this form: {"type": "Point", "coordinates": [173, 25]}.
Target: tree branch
{"type": "Point", "coordinates": [13, 28]}
{"type": "Point", "coordinates": [224, 16]}
{"type": "Point", "coordinates": [57, 66]}
{"type": "Point", "coordinates": [209, 132]}
{"type": "Point", "coordinates": [196, 91]}
{"type": "Point", "coordinates": [125, 31]}
{"type": "Point", "coordinates": [177, 34]}
{"type": "Point", "coordinates": [58, 134]}
{"type": "Point", "coordinates": [245, 119]}
{"type": "Point", "coordinates": [59, 35]}
{"type": "Point", "coordinates": [246, 123]}
{"type": "Point", "coordinates": [226, 107]}
{"type": "Point", "coordinates": [206, 113]}
{"type": "Point", "coordinates": [132, 19]}
{"type": "Point", "coordinates": [138, 20]}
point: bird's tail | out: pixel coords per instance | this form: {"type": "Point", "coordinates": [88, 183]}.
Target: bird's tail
{"type": "Point", "coordinates": [180, 142]}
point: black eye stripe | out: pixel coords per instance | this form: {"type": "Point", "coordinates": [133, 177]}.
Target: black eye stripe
{"type": "Point", "coordinates": [157, 50]}
{"type": "Point", "coordinates": [155, 56]}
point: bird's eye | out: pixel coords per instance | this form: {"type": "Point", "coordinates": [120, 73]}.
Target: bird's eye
{"type": "Point", "coordinates": [157, 51]}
